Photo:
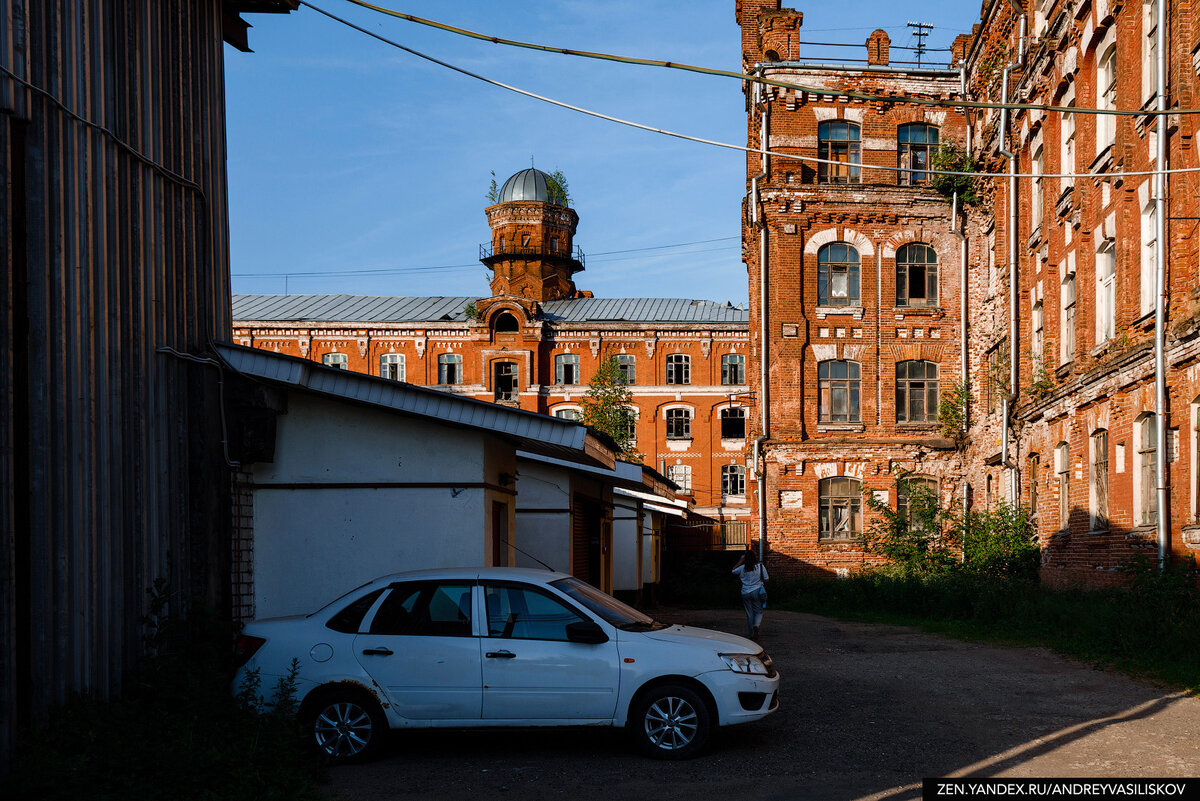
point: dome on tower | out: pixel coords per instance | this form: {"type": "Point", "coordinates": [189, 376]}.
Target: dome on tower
{"type": "Point", "coordinates": [530, 184]}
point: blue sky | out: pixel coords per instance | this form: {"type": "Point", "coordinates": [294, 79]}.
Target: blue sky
{"type": "Point", "coordinates": [355, 167]}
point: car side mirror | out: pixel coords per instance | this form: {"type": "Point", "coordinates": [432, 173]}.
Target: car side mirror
{"type": "Point", "coordinates": [586, 631]}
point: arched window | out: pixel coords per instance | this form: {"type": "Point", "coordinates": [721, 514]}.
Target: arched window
{"type": "Point", "coordinates": [733, 481]}
{"type": "Point", "coordinates": [916, 392]}
{"type": "Point", "coordinates": [679, 369]}
{"type": "Point", "coordinates": [918, 495]}
{"type": "Point", "coordinates": [916, 275]}
{"type": "Point", "coordinates": [450, 368]}
{"type": "Point", "coordinates": [838, 275]}
{"type": "Point", "coordinates": [1099, 480]}
{"type": "Point", "coordinates": [733, 422]}
{"type": "Point", "coordinates": [679, 423]}
{"type": "Point", "coordinates": [840, 508]}
{"type": "Point", "coordinates": [1147, 453]}
{"type": "Point", "coordinates": [506, 323]}
{"type": "Point", "coordinates": [840, 386]}
{"type": "Point", "coordinates": [569, 413]}
{"type": "Point", "coordinates": [391, 365]}
{"type": "Point", "coordinates": [917, 142]}
{"type": "Point", "coordinates": [838, 147]}
{"type": "Point", "coordinates": [335, 359]}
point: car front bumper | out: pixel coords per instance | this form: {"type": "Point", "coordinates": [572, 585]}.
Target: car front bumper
{"type": "Point", "coordinates": [741, 697]}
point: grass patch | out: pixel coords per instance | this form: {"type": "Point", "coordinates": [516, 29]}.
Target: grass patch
{"type": "Point", "coordinates": [175, 733]}
{"type": "Point", "coordinates": [1150, 628]}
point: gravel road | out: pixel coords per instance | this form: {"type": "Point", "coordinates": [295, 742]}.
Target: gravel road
{"type": "Point", "coordinates": [866, 712]}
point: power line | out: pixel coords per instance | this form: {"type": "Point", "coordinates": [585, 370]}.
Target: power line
{"type": "Point", "coordinates": [717, 143]}
{"type": "Point", "coordinates": [675, 65]}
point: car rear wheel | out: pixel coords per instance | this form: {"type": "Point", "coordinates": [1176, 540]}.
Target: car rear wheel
{"type": "Point", "coordinates": [671, 721]}
{"type": "Point", "coordinates": [346, 725]}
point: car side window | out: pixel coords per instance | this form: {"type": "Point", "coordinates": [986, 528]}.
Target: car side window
{"type": "Point", "coordinates": [349, 619]}
{"type": "Point", "coordinates": [524, 613]}
{"type": "Point", "coordinates": [426, 609]}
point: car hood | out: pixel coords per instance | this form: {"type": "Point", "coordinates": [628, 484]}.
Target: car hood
{"type": "Point", "coordinates": [719, 641]}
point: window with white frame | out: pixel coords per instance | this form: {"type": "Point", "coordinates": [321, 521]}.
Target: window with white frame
{"type": "Point", "coordinates": [339, 360]}
{"type": "Point", "coordinates": [1106, 292]}
{"type": "Point", "coordinates": [450, 368]}
{"type": "Point", "coordinates": [627, 368]}
{"type": "Point", "coordinates": [1035, 196]}
{"type": "Point", "coordinates": [631, 418]}
{"type": "Point", "coordinates": [916, 275]}
{"type": "Point", "coordinates": [1149, 50]}
{"type": "Point", "coordinates": [679, 423]}
{"type": "Point", "coordinates": [391, 365]}
{"type": "Point", "coordinates": [733, 481]}
{"type": "Point", "coordinates": [1067, 143]}
{"type": "Point", "coordinates": [916, 392]}
{"type": "Point", "coordinates": [681, 475]}
{"type": "Point", "coordinates": [569, 413]}
{"type": "Point", "coordinates": [1066, 338]}
{"type": "Point", "coordinates": [1147, 452]}
{"type": "Point", "coordinates": [733, 422]}
{"type": "Point", "coordinates": [679, 368]}
{"type": "Point", "coordinates": [505, 381]}
{"type": "Point", "coordinates": [1099, 480]}
{"type": "Point", "coordinates": [1149, 244]}
{"type": "Point", "coordinates": [1106, 92]}
{"type": "Point", "coordinates": [733, 368]}
{"type": "Point", "coordinates": [840, 508]}
{"type": "Point", "coordinates": [916, 144]}
{"type": "Point", "coordinates": [566, 369]}
{"type": "Point", "coordinates": [1062, 467]}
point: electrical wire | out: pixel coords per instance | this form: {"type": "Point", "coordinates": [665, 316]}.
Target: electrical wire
{"type": "Point", "coordinates": [745, 78]}
{"type": "Point", "coordinates": [727, 145]}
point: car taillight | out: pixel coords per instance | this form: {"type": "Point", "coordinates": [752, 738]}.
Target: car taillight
{"type": "Point", "coordinates": [245, 647]}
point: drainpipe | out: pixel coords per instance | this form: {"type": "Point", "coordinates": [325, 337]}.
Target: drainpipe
{"type": "Point", "coordinates": [1021, 40]}
{"type": "Point", "coordinates": [1013, 364]}
{"type": "Point", "coordinates": [1160, 303]}
{"type": "Point", "coordinates": [764, 403]}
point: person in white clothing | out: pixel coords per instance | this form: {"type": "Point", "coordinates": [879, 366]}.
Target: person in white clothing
{"type": "Point", "coordinates": [754, 594]}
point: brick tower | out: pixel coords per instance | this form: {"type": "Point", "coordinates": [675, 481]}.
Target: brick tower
{"type": "Point", "coordinates": [531, 253]}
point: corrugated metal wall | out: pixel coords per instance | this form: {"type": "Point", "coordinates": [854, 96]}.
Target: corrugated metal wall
{"type": "Point", "coordinates": [115, 244]}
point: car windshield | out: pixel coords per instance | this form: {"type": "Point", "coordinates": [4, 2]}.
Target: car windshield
{"type": "Point", "coordinates": [609, 608]}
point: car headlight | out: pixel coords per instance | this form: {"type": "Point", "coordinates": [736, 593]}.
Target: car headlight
{"type": "Point", "coordinates": [745, 663]}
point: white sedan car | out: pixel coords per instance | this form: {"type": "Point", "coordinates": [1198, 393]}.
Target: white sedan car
{"type": "Point", "coordinates": [505, 647]}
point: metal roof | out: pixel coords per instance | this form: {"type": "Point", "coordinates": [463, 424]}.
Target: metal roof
{"type": "Point", "coordinates": [376, 309]}
{"type": "Point", "coordinates": [530, 431]}
{"type": "Point", "coordinates": [528, 184]}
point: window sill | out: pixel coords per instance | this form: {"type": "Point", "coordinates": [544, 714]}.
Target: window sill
{"type": "Point", "coordinates": [930, 311]}
{"type": "Point", "coordinates": [840, 427]}
{"type": "Point", "coordinates": [733, 444]}
{"type": "Point", "coordinates": [678, 444]}
{"type": "Point", "coordinates": [846, 540]}
{"type": "Point", "coordinates": [1103, 161]}
{"type": "Point", "coordinates": [931, 425]}
{"type": "Point", "coordinates": [823, 311]}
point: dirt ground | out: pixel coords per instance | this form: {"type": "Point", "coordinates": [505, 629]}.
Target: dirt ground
{"type": "Point", "coordinates": [866, 712]}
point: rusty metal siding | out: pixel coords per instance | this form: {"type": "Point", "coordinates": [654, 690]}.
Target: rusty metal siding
{"type": "Point", "coordinates": [109, 449]}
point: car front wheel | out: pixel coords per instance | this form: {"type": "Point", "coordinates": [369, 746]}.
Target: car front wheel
{"type": "Point", "coordinates": [671, 721]}
{"type": "Point", "coordinates": [346, 725]}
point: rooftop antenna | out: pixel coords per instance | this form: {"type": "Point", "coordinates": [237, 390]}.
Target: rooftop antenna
{"type": "Point", "coordinates": [920, 31]}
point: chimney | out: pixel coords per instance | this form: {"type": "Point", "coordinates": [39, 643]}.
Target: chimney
{"type": "Point", "coordinates": [877, 47]}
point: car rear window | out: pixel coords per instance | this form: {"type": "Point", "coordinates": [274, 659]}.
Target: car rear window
{"type": "Point", "coordinates": [349, 619]}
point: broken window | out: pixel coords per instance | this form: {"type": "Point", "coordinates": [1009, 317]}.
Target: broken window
{"type": "Point", "coordinates": [566, 369]}
{"type": "Point", "coordinates": [338, 360]}
{"type": "Point", "coordinates": [733, 369]}
{"type": "Point", "coordinates": [917, 142]}
{"type": "Point", "coordinates": [840, 508]}
{"type": "Point", "coordinates": [838, 275]}
{"type": "Point", "coordinates": [391, 365]}
{"type": "Point", "coordinates": [733, 423]}
{"type": "Point", "coordinates": [1148, 470]}
{"type": "Point", "coordinates": [733, 480]}
{"type": "Point", "coordinates": [681, 475]}
{"type": "Point", "coordinates": [916, 275]}
{"type": "Point", "coordinates": [450, 368]}
{"type": "Point", "coordinates": [679, 424]}
{"type": "Point", "coordinates": [626, 368]}
{"type": "Point", "coordinates": [916, 392]}
{"type": "Point", "coordinates": [506, 384]}
{"type": "Point", "coordinates": [679, 369]}
{"type": "Point", "coordinates": [1100, 481]}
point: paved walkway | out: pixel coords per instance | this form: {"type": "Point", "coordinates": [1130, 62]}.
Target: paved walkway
{"type": "Point", "coordinates": [867, 711]}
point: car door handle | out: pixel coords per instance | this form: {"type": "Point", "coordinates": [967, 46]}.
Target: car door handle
{"type": "Point", "coordinates": [500, 655]}
{"type": "Point", "coordinates": [377, 652]}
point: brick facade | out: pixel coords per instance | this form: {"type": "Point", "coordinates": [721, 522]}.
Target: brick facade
{"type": "Point", "coordinates": [1067, 397]}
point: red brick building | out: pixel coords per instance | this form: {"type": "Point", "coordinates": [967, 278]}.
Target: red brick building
{"type": "Point", "coordinates": [1060, 289]}
{"type": "Point", "coordinates": [537, 340]}
{"type": "Point", "coordinates": [860, 320]}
